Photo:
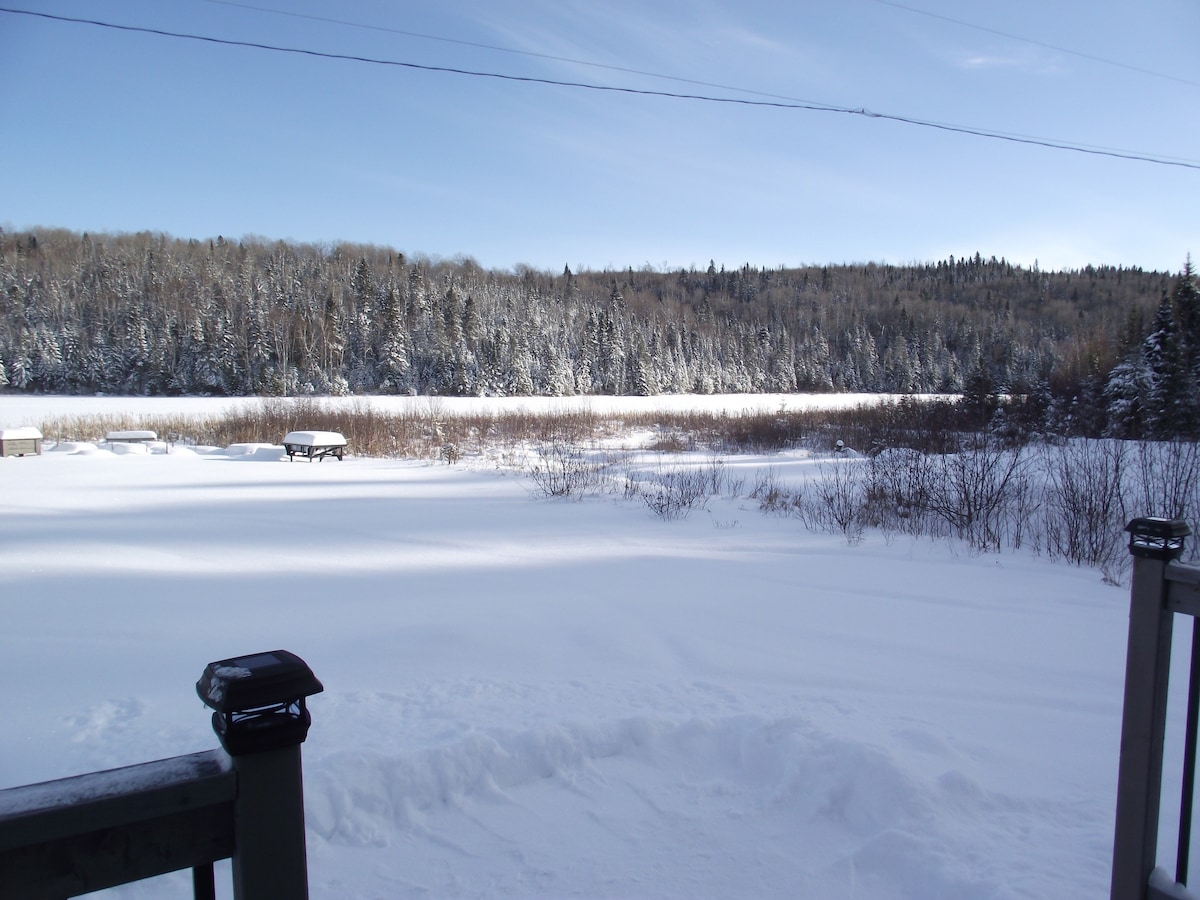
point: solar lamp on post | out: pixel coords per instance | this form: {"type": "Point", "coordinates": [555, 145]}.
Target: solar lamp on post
{"type": "Point", "coordinates": [1155, 538]}
{"type": "Point", "coordinates": [261, 718]}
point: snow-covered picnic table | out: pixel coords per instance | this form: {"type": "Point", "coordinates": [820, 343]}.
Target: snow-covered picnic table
{"type": "Point", "coordinates": [130, 437]}
{"type": "Point", "coordinates": [314, 444]}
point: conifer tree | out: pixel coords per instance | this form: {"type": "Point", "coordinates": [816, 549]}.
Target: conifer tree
{"type": "Point", "coordinates": [392, 353]}
{"type": "Point", "coordinates": [1165, 373]}
{"type": "Point", "coordinates": [1127, 397]}
{"type": "Point", "coordinates": [22, 369]}
{"type": "Point", "coordinates": [1185, 299]}
{"type": "Point", "coordinates": [643, 382]}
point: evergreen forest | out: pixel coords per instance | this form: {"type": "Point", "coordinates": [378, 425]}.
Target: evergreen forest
{"type": "Point", "coordinates": [1100, 350]}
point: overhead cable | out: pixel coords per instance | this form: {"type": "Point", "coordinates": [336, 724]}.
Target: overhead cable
{"type": "Point", "coordinates": [497, 48]}
{"type": "Point", "coordinates": [580, 85]}
{"type": "Point", "coordinates": [582, 62]}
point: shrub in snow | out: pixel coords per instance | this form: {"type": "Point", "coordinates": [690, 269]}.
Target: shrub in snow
{"type": "Point", "coordinates": [563, 470]}
{"type": "Point", "coordinates": [975, 490]}
{"type": "Point", "coordinates": [720, 482]}
{"type": "Point", "coordinates": [836, 500]}
{"type": "Point", "coordinates": [898, 490]}
{"type": "Point", "coordinates": [675, 493]}
{"type": "Point", "coordinates": [770, 494]}
{"type": "Point", "coordinates": [1085, 508]}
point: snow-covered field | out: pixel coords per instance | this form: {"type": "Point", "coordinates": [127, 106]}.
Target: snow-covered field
{"type": "Point", "coordinates": [544, 698]}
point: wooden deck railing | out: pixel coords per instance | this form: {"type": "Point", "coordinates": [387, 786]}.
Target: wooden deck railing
{"type": "Point", "coordinates": [244, 802]}
{"type": "Point", "coordinates": [1161, 588]}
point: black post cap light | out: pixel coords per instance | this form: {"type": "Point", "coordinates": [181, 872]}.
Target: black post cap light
{"type": "Point", "coordinates": [258, 700]}
{"type": "Point", "coordinates": [1156, 538]}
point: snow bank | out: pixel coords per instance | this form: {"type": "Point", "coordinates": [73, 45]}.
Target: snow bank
{"type": "Point", "coordinates": [646, 807]}
{"type": "Point", "coordinates": [259, 452]}
{"type": "Point", "coordinates": [132, 449]}
{"type": "Point", "coordinates": [80, 448]}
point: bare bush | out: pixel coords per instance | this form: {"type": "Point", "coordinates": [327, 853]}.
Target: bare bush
{"type": "Point", "coordinates": [1025, 506]}
{"type": "Point", "coordinates": [972, 490]}
{"type": "Point", "coordinates": [673, 441]}
{"type": "Point", "coordinates": [673, 493]}
{"type": "Point", "coordinates": [563, 470]}
{"type": "Point", "coordinates": [722, 482]}
{"type": "Point", "coordinates": [719, 482]}
{"type": "Point", "coordinates": [771, 495]}
{"type": "Point", "coordinates": [1169, 475]}
{"type": "Point", "coordinates": [836, 500]}
{"type": "Point", "coordinates": [898, 491]}
{"type": "Point", "coordinates": [1084, 509]}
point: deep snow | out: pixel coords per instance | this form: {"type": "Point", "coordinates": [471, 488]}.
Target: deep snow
{"type": "Point", "coordinates": [541, 698]}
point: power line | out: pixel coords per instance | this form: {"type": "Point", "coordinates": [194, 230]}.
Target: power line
{"type": "Point", "coordinates": [500, 49]}
{"type": "Point", "coordinates": [580, 85]}
{"type": "Point", "coordinates": [613, 68]}
{"type": "Point", "coordinates": [477, 44]}
{"type": "Point", "coordinates": [642, 72]}
{"type": "Point", "coordinates": [1034, 41]}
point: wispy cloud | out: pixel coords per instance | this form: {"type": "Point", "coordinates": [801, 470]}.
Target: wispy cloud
{"type": "Point", "coordinates": [1033, 63]}
{"type": "Point", "coordinates": [616, 42]}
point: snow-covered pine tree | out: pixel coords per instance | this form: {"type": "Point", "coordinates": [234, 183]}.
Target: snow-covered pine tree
{"type": "Point", "coordinates": [642, 380]}
{"type": "Point", "coordinates": [22, 370]}
{"type": "Point", "coordinates": [391, 352]}
{"type": "Point", "coordinates": [1165, 372]}
{"type": "Point", "coordinates": [1127, 395]}
{"type": "Point", "coordinates": [1185, 299]}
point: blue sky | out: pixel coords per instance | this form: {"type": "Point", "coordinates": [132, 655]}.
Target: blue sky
{"type": "Point", "coordinates": [107, 130]}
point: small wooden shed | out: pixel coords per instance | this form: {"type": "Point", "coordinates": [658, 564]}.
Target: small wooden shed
{"type": "Point", "coordinates": [20, 441]}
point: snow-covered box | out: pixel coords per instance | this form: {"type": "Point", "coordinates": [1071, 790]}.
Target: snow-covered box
{"type": "Point", "coordinates": [19, 441]}
{"type": "Point", "coordinates": [314, 444]}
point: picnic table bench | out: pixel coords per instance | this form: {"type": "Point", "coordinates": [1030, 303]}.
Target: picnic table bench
{"type": "Point", "coordinates": [130, 437]}
{"type": "Point", "coordinates": [314, 445]}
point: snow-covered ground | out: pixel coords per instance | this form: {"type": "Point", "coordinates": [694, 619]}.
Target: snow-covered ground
{"type": "Point", "coordinates": [546, 698]}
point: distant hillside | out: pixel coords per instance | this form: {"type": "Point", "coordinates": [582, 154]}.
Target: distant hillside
{"type": "Point", "coordinates": [148, 314]}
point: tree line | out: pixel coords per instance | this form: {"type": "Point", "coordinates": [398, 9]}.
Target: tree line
{"type": "Point", "coordinates": [149, 314]}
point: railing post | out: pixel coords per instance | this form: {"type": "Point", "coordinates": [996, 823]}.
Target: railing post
{"type": "Point", "coordinates": [270, 860]}
{"type": "Point", "coordinates": [1153, 543]}
{"type": "Point", "coordinates": [261, 720]}
{"type": "Point", "coordinates": [1184, 846]}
